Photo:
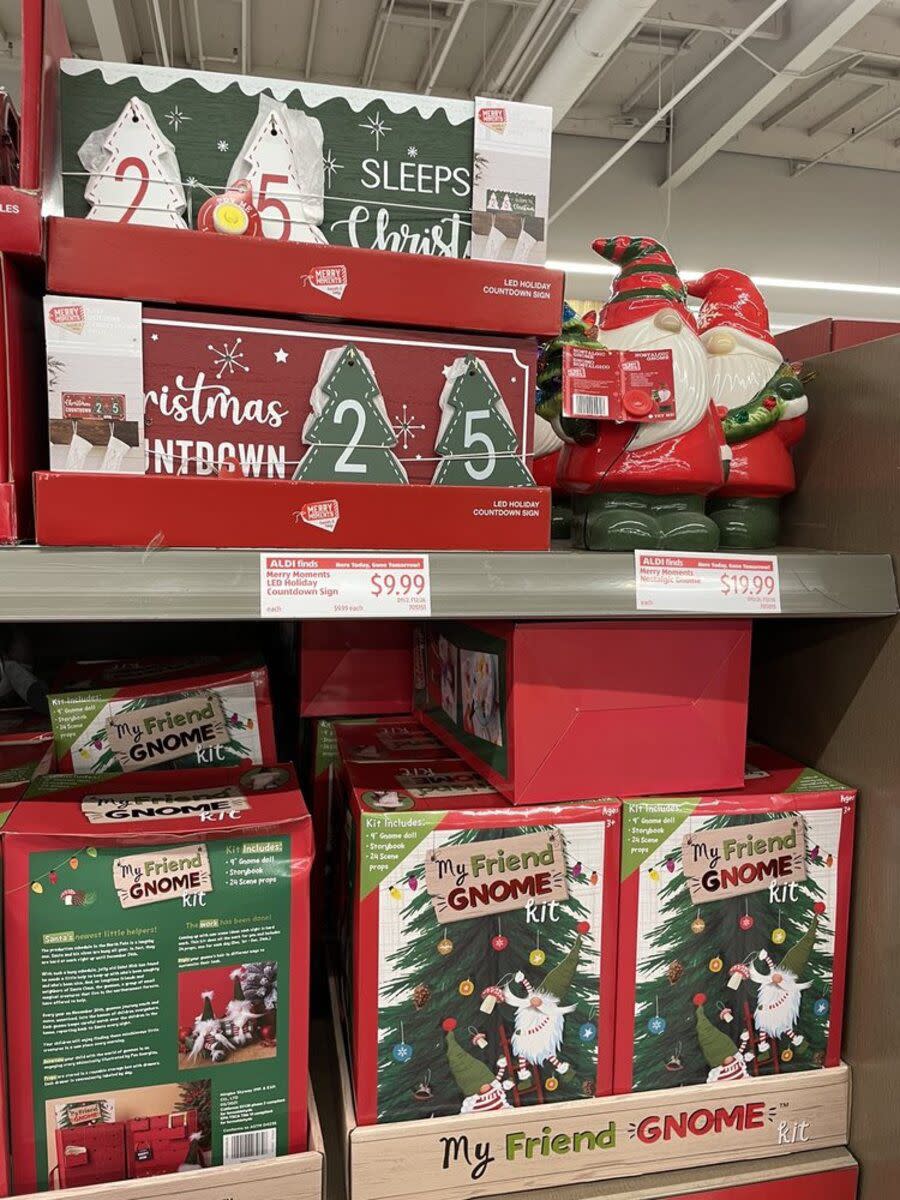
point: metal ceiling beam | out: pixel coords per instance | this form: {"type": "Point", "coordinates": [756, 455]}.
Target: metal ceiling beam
{"type": "Point", "coordinates": [529, 29]}
{"type": "Point", "coordinates": [824, 81]}
{"type": "Point", "coordinates": [844, 109]}
{"type": "Point", "coordinates": [429, 78]}
{"type": "Point", "coordinates": [311, 38]}
{"type": "Point", "coordinates": [538, 47]}
{"type": "Point", "coordinates": [116, 30]}
{"type": "Point", "coordinates": [734, 96]}
{"type": "Point", "coordinates": [800, 168]}
{"type": "Point", "coordinates": [654, 78]}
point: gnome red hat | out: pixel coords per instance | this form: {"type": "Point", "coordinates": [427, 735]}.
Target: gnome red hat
{"type": "Point", "coordinates": [731, 301]}
{"type": "Point", "coordinates": [648, 281]}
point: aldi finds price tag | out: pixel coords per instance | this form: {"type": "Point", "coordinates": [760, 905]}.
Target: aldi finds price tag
{"type": "Point", "coordinates": [618, 385]}
{"type": "Point", "coordinates": [709, 583]}
{"type": "Point", "coordinates": [344, 585]}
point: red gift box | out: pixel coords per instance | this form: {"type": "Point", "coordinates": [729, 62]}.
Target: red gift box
{"type": "Point", "coordinates": [566, 711]}
{"type": "Point", "coordinates": [355, 668]}
{"type": "Point", "coordinates": [733, 924]}
{"type": "Point", "coordinates": [89, 1155]}
{"type": "Point", "coordinates": [158, 1145]}
{"type": "Point", "coordinates": [479, 944]}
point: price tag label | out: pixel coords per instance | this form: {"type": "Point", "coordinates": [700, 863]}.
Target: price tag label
{"type": "Point", "coordinates": [618, 385]}
{"type": "Point", "coordinates": [344, 585]}
{"type": "Point", "coordinates": [666, 581]}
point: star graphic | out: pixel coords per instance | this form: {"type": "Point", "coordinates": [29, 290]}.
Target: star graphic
{"type": "Point", "coordinates": [221, 145]}
{"type": "Point", "coordinates": [412, 152]}
{"type": "Point", "coordinates": [330, 165]}
{"type": "Point", "coordinates": [281, 356]}
{"type": "Point", "coordinates": [376, 126]}
{"type": "Point", "coordinates": [154, 337]}
{"type": "Point", "coordinates": [192, 182]}
{"type": "Point", "coordinates": [176, 118]}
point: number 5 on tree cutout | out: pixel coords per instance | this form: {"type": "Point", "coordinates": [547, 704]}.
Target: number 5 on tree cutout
{"type": "Point", "coordinates": [348, 432]}
{"type": "Point", "coordinates": [277, 189]}
{"type": "Point", "coordinates": [476, 439]}
{"type": "Point", "coordinates": [134, 178]}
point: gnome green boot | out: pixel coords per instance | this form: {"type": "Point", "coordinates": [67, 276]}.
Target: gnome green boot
{"type": "Point", "coordinates": [619, 521]}
{"type": "Point", "coordinates": [746, 522]}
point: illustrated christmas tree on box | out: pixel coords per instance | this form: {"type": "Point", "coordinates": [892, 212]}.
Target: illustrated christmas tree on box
{"type": "Point", "coordinates": [482, 954]}
{"type": "Point", "coordinates": [733, 930]}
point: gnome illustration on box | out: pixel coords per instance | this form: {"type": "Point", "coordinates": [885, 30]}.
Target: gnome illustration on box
{"type": "Point", "coordinates": [208, 1035]}
{"type": "Point", "coordinates": [761, 402]}
{"type": "Point", "coordinates": [540, 1014]}
{"type": "Point", "coordinates": [642, 484]}
{"type": "Point", "coordinates": [781, 991]}
{"type": "Point", "coordinates": [726, 1061]}
{"type": "Point", "coordinates": [483, 1090]}
{"type": "Point", "coordinates": [240, 1019]}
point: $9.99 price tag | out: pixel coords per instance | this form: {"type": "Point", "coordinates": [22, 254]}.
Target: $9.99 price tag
{"type": "Point", "coordinates": [344, 585]}
{"type": "Point", "coordinates": [667, 581]}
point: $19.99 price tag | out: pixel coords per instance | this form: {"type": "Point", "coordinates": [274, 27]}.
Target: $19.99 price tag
{"type": "Point", "coordinates": [344, 585]}
{"type": "Point", "coordinates": [710, 583]}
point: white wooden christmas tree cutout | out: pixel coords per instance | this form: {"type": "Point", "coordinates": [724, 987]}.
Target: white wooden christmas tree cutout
{"type": "Point", "coordinates": [134, 175]}
{"type": "Point", "coordinates": [279, 193]}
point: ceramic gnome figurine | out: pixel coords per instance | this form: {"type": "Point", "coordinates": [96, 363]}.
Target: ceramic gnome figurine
{"type": "Point", "coordinates": [762, 404]}
{"type": "Point", "coordinates": [726, 1062]}
{"type": "Point", "coordinates": [644, 485]}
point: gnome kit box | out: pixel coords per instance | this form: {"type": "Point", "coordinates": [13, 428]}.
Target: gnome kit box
{"type": "Point", "coordinates": [160, 714]}
{"type": "Point", "coordinates": [194, 901]}
{"type": "Point", "coordinates": [481, 947]}
{"type": "Point", "coordinates": [733, 926]}
{"type": "Point", "coordinates": [552, 711]}
{"type": "Point", "coordinates": [141, 390]}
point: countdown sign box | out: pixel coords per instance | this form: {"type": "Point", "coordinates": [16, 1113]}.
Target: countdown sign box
{"type": "Point", "coordinates": [479, 945]}
{"type": "Point", "coordinates": [733, 929]}
{"type": "Point", "coordinates": [552, 711]}
{"type": "Point", "coordinates": [198, 882]}
{"type": "Point", "coordinates": [136, 389]}
{"type": "Point", "coordinates": [353, 668]}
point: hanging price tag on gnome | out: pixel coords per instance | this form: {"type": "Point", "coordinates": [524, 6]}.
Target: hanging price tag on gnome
{"type": "Point", "coordinates": [708, 583]}
{"type": "Point", "coordinates": [618, 385]}
{"type": "Point", "coordinates": [346, 585]}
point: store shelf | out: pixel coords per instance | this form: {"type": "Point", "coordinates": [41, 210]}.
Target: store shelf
{"type": "Point", "coordinates": [43, 584]}
{"type": "Point", "coordinates": [96, 258]}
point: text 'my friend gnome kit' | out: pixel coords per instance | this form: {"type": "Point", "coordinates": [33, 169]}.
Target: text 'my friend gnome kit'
{"type": "Point", "coordinates": [157, 943]}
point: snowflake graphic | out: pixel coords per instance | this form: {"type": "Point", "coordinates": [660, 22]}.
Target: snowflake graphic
{"type": "Point", "coordinates": [405, 427]}
{"type": "Point", "coordinates": [192, 181]}
{"type": "Point", "coordinates": [331, 164]}
{"type": "Point", "coordinates": [221, 145]}
{"type": "Point", "coordinates": [376, 126]}
{"type": "Point", "coordinates": [177, 118]}
{"type": "Point", "coordinates": [412, 152]}
{"type": "Point", "coordinates": [228, 358]}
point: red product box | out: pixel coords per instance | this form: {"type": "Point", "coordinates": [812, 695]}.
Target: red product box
{"type": "Point", "coordinates": [820, 337]}
{"type": "Point", "coordinates": [480, 946]}
{"type": "Point", "coordinates": [133, 716]}
{"type": "Point", "coordinates": [193, 891]}
{"type": "Point", "coordinates": [353, 668]}
{"type": "Point", "coordinates": [733, 927]}
{"type": "Point", "coordinates": [159, 1145]}
{"type": "Point", "coordinates": [821, 1185]}
{"type": "Point", "coordinates": [552, 711]}
{"type": "Point", "coordinates": [21, 724]}
{"type": "Point", "coordinates": [387, 740]}
{"type": "Point", "coordinates": [161, 391]}
{"type": "Point", "coordinates": [20, 761]}
{"type": "Point", "coordinates": [22, 432]}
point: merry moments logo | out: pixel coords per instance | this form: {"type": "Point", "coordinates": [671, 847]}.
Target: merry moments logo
{"type": "Point", "coordinates": [496, 876]}
{"type": "Point", "coordinates": [735, 861]}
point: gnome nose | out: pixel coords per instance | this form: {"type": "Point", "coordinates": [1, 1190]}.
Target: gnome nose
{"type": "Point", "coordinates": [535, 1002]}
{"type": "Point", "coordinates": [670, 321]}
{"type": "Point", "coordinates": [485, 1087]}
{"type": "Point", "coordinates": [776, 978]}
{"type": "Point", "coordinates": [720, 343]}
{"type": "Point", "coordinates": [726, 1062]}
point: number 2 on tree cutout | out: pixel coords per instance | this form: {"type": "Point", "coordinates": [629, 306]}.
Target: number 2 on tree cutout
{"type": "Point", "coordinates": [264, 201]}
{"type": "Point", "coordinates": [143, 184]}
{"type": "Point", "coordinates": [343, 462]}
{"type": "Point", "coordinates": [472, 437]}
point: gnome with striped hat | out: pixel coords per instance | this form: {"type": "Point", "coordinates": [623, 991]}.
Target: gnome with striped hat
{"type": "Point", "coordinates": [781, 992]}
{"type": "Point", "coordinates": [642, 484]}
{"type": "Point", "coordinates": [725, 1060]}
{"type": "Point", "coordinates": [762, 404]}
{"type": "Point", "coordinates": [483, 1090]}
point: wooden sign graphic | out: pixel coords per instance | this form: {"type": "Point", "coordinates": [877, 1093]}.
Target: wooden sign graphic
{"type": "Point", "coordinates": [162, 806]}
{"type": "Point", "coordinates": [497, 876]}
{"type": "Point", "coordinates": [164, 874]}
{"type": "Point", "coordinates": [160, 732]}
{"type": "Point", "coordinates": [740, 859]}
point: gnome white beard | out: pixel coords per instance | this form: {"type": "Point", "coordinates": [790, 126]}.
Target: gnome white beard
{"type": "Point", "coordinates": [538, 1032]}
{"type": "Point", "coordinates": [239, 1013]}
{"type": "Point", "coordinates": [489, 1100]}
{"type": "Point", "coordinates": [546, 439]}
{"type": "Point", "coordinates": [691, 375]}
{"type": "Point", "coordinates": [736, 377]}
{"type": "Point", "coordinates": [778, 1005]}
